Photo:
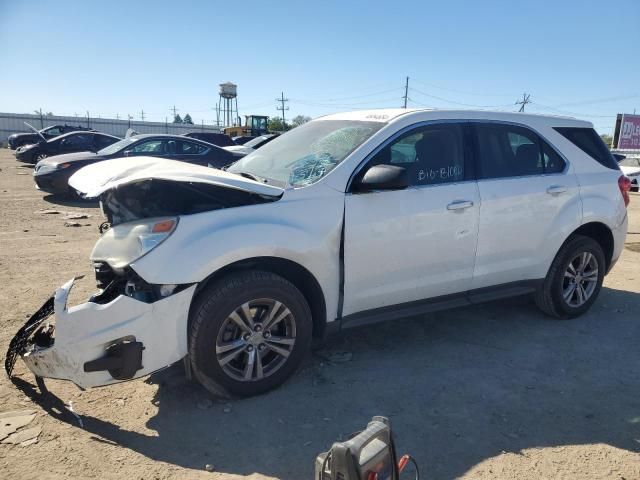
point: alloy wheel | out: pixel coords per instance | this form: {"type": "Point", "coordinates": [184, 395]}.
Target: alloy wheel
{"type": "Point", "coordinates": [256, 339]}
{"type": "Point", "coordinates": [580, 279]}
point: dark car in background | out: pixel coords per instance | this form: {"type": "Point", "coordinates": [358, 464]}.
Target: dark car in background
{"type": "Point", "coordinates": [52, 174]}
{"type": "Point", "coordinates": [67, 143]}
{"type": "Point", "coordinates": [219, 139]}
{"type": "Point", "coordinates": [18, 140]}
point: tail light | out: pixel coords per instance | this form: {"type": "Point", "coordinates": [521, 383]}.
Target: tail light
{"type": "Point", "coordinates": [624, 184]}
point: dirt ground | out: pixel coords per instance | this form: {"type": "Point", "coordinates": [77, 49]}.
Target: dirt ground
{"type": "Point", "coordinates": [497, 391]}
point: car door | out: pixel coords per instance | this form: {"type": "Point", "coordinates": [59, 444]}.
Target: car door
{"type": "Point", "coordinates": [418, 243]}
{"type": "Point", "coordinates": [525, 189]}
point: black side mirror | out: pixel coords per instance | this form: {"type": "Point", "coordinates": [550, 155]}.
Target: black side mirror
{"type": "Point", "coordinates": [383, 177]}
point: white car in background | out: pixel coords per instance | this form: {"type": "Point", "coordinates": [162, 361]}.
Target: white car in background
{"type": "Point", "coordinates": [347, 220]}
{"type": "Point", "coordinates": [630, 166]}
{"type": "Point", "coordinates": [252, 145]}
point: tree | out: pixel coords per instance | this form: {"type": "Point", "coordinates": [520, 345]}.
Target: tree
{"type": "Point", "coordinates": [49, 114]}
{"type": "Point", "coordinates": [606, 139]}
{"type": "Point", "coordinates": [177, 118]}
{"type": "Point", "coordinates": [299, 120]}
{"type": "Point", "coordinates": [187, 119]}
{"type": "Point", "coordinates": [275, 125]}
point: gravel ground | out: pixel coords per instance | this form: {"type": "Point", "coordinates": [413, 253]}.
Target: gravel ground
{"type": "Point", "coordinates": [497, 391]}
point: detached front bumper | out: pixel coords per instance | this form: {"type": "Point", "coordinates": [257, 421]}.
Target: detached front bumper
{"type": "Point", "coordinates": [95, 344]}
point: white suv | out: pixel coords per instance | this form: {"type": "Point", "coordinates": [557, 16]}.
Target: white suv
{"type": "Point", "coordinates": [349, 219]}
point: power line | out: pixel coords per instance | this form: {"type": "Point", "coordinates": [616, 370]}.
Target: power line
{"type": "Point", "coordinates": [282, 108]}
{"type": "Point", "coordinates": [430, 85]}
{"type": "Point", "coordinates": [526, 99]}
{"type": "Point", "coordinates": [413, 89]}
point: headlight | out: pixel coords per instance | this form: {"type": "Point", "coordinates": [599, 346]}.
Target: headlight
{"type": "Point", "coordinates": [48, 168]}
{"type": "Point", "coordinates": [125, 243]}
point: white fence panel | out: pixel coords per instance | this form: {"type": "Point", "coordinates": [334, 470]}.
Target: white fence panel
{"type": "Point", "coordinates": [14, 123]}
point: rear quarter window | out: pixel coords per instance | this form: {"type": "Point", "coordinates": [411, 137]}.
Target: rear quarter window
{"type": "Point", "coordinates": [587, 140]}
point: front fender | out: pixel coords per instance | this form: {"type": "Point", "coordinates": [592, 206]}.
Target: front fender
{"type": "Point", "coordinates": [305, 229]}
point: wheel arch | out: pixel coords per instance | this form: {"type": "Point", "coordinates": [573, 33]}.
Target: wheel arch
{"type": "Point", "coordinates": [599, 232]}
{"type": "Point", "coordinates": [295, 273]}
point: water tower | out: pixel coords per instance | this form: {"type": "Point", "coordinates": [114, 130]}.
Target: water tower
{"type": "Point", "coordinates": [228, 94]}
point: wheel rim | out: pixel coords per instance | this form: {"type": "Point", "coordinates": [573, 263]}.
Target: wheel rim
{"type": "Point", "coordinates": [256, 339]}
{"type": "Point", "coordinates": [41, 156]}
{"type": "Point", "coordinates": [580, 279]}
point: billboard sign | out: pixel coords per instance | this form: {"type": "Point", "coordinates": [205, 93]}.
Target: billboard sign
{"type": "Point", "coordinates": [629, 138]}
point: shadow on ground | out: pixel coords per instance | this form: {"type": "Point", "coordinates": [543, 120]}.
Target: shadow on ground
{"type": "Point", "coordinates": [69, 201]}
{"type": "Point", "coordinates": [459, 387]}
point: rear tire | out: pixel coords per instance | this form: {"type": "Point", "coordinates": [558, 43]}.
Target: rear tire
{"type": "Point", "coordinates": [574, 279]}
{"type": "Point", "coordinates": [248, 333]}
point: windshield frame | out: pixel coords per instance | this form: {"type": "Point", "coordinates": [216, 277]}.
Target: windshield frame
{"type": "Point", "coordinates": [314, 150]}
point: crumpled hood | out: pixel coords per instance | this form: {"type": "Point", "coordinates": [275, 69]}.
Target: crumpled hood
{"type": "Point", "coordinates": [95, 179]}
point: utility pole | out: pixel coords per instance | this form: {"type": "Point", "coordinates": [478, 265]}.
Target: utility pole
{"type": "Point", "coordinates": [142, 114]}
{"type": "Point", "coordinates": [117, 116]}
{"type": "Point", "coordinates": [175, 111]}
{"type": "Point", "coordinates": [166, 125]}
{"type": "Point", "coordinates": [88, 120]}
{"type": "Point", "coordinates": [41, 120]}
{"type": "Point", "coordinates": [526, 98]}
{"type": "Point", "coordinates": [406, 92]}
{"type": "Point", "coordinates": [129, 117]}
{"type": "Point", "coordinates": [282, 108]}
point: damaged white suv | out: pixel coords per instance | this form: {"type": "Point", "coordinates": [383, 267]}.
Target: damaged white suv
{"type": "Point", "coordinates": [349, 219]}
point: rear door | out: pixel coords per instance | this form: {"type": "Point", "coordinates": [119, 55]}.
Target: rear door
{"type": "Point", "coordinates": [527, 195]}
{"type": "Point", "coordinates": [418, 243]}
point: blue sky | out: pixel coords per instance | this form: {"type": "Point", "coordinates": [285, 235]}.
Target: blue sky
{"type": "Point", "coordinates": [119, 57]}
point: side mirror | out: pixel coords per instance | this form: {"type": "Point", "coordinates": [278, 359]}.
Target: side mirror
{"type": "Point", "coordinates": [127, 153]}
{"type": "Point", "coordinates": [383, 177]}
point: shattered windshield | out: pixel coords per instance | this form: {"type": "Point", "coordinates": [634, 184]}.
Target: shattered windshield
{"type": "Point", "coordinates": [307, 153]}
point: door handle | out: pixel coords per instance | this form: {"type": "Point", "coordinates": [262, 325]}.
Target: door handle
{"type": "Point", "coordinates": [556, 189]}
{"type": "Point", "coordinates": [460, 205]}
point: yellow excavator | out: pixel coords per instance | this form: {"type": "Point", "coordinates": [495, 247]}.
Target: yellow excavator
{"type": "Point", "coordinates": [254, 125]}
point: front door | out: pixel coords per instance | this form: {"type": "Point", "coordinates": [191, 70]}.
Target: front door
{"type": "Point", "coordinates": [418, 243]}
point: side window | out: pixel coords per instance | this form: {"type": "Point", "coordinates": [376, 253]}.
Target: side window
{"type": "Point", "coordinates": [507, 151]}
{"type": "Point", "coordinates": [588, 140]}
{"type": "Point", "coordinates": [432, 155]}
{"type": "Point", "coordinates": [102, 141]}
{"type": "Point", "coordinates": [553, 163]}
{"type": "Point", "coordinates": [74, 141]}
{"type": "Point", "coordinates": [191, 148]}
{"type": "Point", "coordinates": [54, 132]}
{"type": "Point", "coordinates": [151, 146]}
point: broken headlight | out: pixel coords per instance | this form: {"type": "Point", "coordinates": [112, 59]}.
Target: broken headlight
{"type": "Point", "coordinates": [125, 243]}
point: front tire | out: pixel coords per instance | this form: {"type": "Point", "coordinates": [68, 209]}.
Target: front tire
{"type": "Point", "coordinates": [249, 332]}
{"type": "Point", "coordinates": [574, 279]}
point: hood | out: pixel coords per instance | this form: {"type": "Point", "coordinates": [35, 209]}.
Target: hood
{"type": "Point", "coordinates": [71, 157]}
{"type": "Point", "coordinates": [95, 179]}
{"type": "Point", "coordinates": [239, 149]}
{"type": "Point", "coordinates": [630, 171]}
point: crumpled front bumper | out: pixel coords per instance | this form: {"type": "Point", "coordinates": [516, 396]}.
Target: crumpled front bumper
{"type": "Point", "coordinates": [88, 336]}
